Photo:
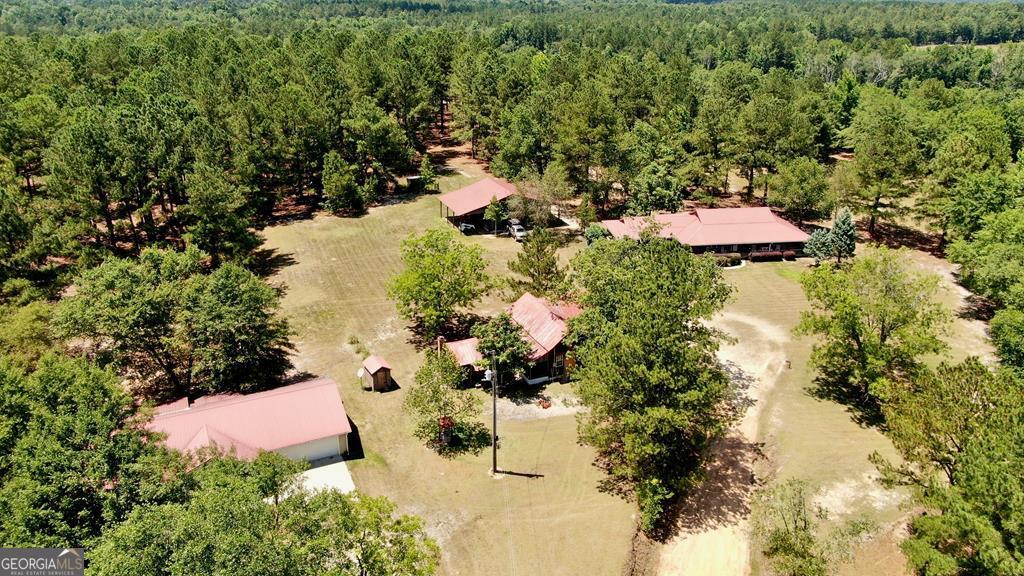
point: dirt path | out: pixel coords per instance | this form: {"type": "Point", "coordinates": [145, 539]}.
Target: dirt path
{"type": "Point", "coordinates": [712, 538]}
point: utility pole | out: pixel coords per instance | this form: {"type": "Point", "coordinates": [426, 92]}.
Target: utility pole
{"type": "Point", "coordinates": [494, 416]}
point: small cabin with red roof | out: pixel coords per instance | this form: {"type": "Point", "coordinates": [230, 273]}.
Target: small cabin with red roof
{"type": "Point", "coordinates": [544, 325]}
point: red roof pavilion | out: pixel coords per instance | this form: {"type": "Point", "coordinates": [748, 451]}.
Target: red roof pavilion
{"type": "Point", "coordinates": [477, 196]}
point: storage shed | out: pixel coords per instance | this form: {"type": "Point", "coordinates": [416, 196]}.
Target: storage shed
{"type": "Point", "coordinates": [376, 374]}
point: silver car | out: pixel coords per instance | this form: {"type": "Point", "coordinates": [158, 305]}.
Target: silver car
{"type": "Point", "coordinates": [517, 231]}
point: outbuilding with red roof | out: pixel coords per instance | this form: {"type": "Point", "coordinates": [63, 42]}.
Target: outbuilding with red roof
{"type": "Point", "coordinates": [544, 325]}
{"type": "Point", "coordinates": [375, 374]}
{"type": "Point", "coordinates": [469, 202]}
{"type": "Point", "coordinates": [718, 230]}
{"type": "Point", "coordinates": [304, 421]}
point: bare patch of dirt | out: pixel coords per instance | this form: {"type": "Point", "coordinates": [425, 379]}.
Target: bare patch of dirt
{"type": "Point", "coordinates": [535, 410]}
{"type": "Point", "coordinates": [842, 498]}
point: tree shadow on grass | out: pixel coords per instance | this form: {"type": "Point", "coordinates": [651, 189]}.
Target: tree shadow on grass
{"type": "Point", "coordinates": [723, 496]}
{"type": "Point", "coordinates": [457, 328]}
{"type": "Point", "coordinates": [521, 394]}
{"type": "Point", "coordinates": [833, 384]}
{"type": "Point", "coordinates": [467, 438]}
{"type": "Point", "coordinates": [266, 262]}
{"type": "Point", "coordinates": [977, 307]}
{"type": "Point", "coordinates": [897, 236]}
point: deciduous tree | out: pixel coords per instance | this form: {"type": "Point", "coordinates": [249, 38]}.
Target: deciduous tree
{"type": "Point", "coordinates": [875, 318]}
{"type": "Point", "coordinates": [801, 189]}
{"type": "Point", "coordinates": [436, 403]}
{"type": "Point", "coordinates": [503, 345]}
{"type": "Point", "coordinates": [177, 330]}
{"type": "Point", "coordinates": [441, 276]}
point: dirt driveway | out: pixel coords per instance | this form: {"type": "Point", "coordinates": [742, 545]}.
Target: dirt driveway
{"type": "Point", "coordinates": [712, 536]}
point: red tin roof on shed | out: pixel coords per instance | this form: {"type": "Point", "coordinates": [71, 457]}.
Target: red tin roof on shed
{"type": "Point", "coordinates": [544, 325]}
{"type": "Point", "coordinates": [465, 351]}
{"type": "Point", "coordinates": [249, 423]}
{"type": "Point", "coordinates": [713, 227]}
{"type": "Point", "coordinates": [477, 195]}
{"type": "Point", "coordinates": [374, 364]}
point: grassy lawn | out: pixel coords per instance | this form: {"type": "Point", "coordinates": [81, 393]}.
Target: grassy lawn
{"type": "Point", "coordinates": [552, 519]}
{"type": "Point", "coordinates": [817, 440]}
{"type": "Point", "coordinates": [555, 523]}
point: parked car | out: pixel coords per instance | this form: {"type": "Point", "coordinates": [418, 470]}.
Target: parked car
{"type": "Point", "coordinates": [517, 231]}
{"type": "Point", "coordinates": [466, 227]}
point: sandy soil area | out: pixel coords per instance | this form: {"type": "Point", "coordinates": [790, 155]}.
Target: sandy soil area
{"type": "Point", "coordinates": [712, 537]}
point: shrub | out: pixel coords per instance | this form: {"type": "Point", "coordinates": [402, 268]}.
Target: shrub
{"type": "Point", "coordinates": [730, 259]}
{"type": "Point", "coordinates": [595, 232]}
{"type": "Point", "coordinates": [765, 256]}
{"type": "Point", "coordinates": [789, 254]}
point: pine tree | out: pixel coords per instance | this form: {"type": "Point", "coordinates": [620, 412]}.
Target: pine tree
{"type": "Point", "coordinates": [428, 177]}
{"type": "Point", "coordinates": [538, 263]}
{"type": "Point", "coordinates": [341, 191]}
{"type": "Point", "coordinates": [819, 245]}
{"type": "Point", "coordinates": [843, 236]}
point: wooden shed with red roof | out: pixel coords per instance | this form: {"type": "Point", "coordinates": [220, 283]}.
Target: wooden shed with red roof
{"type": "Point", "coordinates": [375, 374]}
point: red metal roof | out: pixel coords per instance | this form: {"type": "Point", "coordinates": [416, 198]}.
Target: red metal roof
{"type": "Point", "coordinates": [477, 195]}
{"type": "Point", "coordinates": [544, 325]}
{"type": "Point", "coordinates": [543, 322]}
{"type": "Point", "coordinates": [249, 423]}
{"type": "Point", "coordinates": [374, 363]}
{"type": "Point", "coordinates": [713, 227]}
{"type": "Point", "coordinates": [465, 351]}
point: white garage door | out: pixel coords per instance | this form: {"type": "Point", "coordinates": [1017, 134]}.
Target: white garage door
{"type": "Point", "coordinates": [313, 450]}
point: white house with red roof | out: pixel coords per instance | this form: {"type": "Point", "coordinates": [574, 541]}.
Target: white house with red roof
{"type": "Point", "coordinates": [544, 326]}
{"type": "Point", "coordinates": [718, 230]}
{"type": "Point", "coordinates": [304, 421]}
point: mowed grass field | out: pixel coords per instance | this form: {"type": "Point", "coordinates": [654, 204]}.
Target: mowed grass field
{"type": "Point", "coordinates": [552, 519]}
{"type": "Point", "coordinates": [816, 439]}
{"type": "Point", "coordinates": [557, 522]}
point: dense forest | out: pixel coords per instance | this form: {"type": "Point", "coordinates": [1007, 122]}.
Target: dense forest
{"type": "Point", "coordinates": [143, 144]}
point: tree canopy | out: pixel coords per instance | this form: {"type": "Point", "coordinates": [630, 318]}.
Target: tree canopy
{"type": "Point", "coordinates": [442, 275]}
{"type": "Point", "coordinates": [656, 395]}
{"type": "Point", "coordinates": [177, 329]}
{"type": "Point", "coordinates": [875, 318]}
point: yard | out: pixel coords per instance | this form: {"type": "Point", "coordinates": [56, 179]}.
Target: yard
{"type": "Point", "coordinates": [789, 432]}
{"type": "Point", "coordinates": [547, 516]}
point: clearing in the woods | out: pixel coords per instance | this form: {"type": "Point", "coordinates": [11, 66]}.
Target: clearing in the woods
{"type": "Point", "coordinates": [548, 515]}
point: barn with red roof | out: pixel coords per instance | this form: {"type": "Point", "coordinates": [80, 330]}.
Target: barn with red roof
{"type": "Point", "coordinates": [718, 230]}
{"type": "Point", "coordinates": [304, 421]}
